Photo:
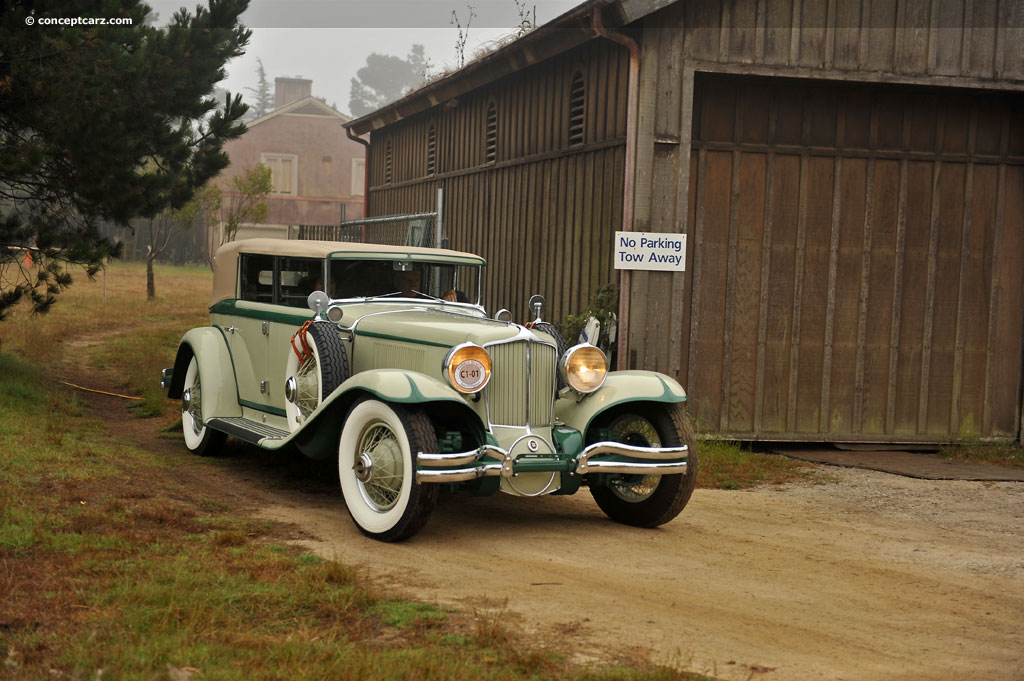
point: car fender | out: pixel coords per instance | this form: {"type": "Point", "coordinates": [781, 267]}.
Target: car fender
{"type": "Point", "coordinates": [620, 387]}
{"type": "Point", "coordinates": [220, 391]}
{"type": "Point", "coordinates": [317, 439]}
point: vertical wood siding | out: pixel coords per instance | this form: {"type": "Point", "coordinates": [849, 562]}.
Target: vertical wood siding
{"type": "Point", "coordinates": [957, 38]}
{"type": "Point", "coordinates": [543, 212]}
{"type": "Point", "coordinates": [854, 268]}
{"type": "Point", "coordinates": [858, 262]}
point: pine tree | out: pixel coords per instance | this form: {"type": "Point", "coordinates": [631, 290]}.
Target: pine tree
{"type": "Point", "coordinates": [263, 98]}
{"type": "Point", "coordinates": [103, 123]}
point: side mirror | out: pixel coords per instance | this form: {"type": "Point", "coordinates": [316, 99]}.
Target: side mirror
{"type": "Point", "coordinates": [318, 302]}
{"type": "Point", "coordinates": [537, 306]}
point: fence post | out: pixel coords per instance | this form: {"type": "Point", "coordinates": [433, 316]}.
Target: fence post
{"type": "Point", "coordinates": [438, 228]}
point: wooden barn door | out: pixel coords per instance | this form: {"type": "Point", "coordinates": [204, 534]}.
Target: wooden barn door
{"type": "Point", "coordinates": [858, 267]}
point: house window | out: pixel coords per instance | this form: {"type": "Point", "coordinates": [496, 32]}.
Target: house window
{"type": "Point", "coordinates": [431, 150]}
{"type": "Point", "coordinates": [358, 176]}
{"type": "Point", "coordinates": [491, 137]}
{"type": "Point", "coordinates": [387, 163]}
{"type": "Point", "coordinates": [576, 109]}
{"type": "Point", "coordinates": [284, 172]}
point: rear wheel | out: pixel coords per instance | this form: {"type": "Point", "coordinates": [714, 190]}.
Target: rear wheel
{"type": "Point", "coordinates": [647, 500]}
{"type": "Point", "coordinates": [198, 438]}
{"type": "Point", "coordinates": [377, 469]}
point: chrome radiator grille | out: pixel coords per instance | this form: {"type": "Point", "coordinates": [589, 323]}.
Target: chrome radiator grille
{"type": "Point", "coordinates": [512, 400]}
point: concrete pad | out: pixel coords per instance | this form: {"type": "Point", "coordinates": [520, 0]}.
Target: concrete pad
{"type": "Point", "coordinates": [909, 464]}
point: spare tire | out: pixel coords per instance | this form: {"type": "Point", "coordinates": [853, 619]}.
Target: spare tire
{"type": "Point", "coordinates": [310, 379]}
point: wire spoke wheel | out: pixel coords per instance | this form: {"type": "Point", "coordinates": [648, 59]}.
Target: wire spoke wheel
{"type": "Point", "coordinates": [635, 488]}
{"type": "Point", "coordinates": [195, 407]}
{"type": "Point", "coordinates": [307, 379]}
{"type": "Point", "coordinates": [198, 438]}
{"type": "Point", "coordinates": [381, 460]}
{"type": "Point", "coordinates": [646, 500]}
{"type": "Point", "coordinates": [377, 468]}
{"type": "Point", "coordinates": [636, 430]}
{"type": "Point", "coordinates": [311, 378]}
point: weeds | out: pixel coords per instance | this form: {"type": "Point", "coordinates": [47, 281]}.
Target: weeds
{"type": "Point", "coordinates": [728, 465]}
{"type": "Point", "coordinates": [1007, 454]}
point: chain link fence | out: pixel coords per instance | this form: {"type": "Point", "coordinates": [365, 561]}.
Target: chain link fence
{"type": "Point", "coordinates": [418, 229]}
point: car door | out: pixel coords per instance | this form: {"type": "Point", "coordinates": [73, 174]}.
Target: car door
{"type": "Point", "coordinates": [248, 335]}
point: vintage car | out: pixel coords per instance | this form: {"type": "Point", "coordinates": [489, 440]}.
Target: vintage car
{"type": "Point", "coordinates": [385, 358]}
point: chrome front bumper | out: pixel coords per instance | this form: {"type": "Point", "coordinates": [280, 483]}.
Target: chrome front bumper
{"type": "Point", "coordinates": [462, 466]}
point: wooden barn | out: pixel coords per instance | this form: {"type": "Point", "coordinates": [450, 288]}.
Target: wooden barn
{"type": "Point", "coordinates": [849, 175]}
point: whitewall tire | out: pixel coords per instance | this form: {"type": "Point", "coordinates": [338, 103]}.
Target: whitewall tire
{"type": "Point", "coordinates": [199, 439]}
{"type": "Point", "coordinates": [310, 381]}
{"type": "Point", "coordinates": [377, 471]}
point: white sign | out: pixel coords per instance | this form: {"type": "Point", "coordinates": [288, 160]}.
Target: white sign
{"type": "Point", "coordinates": [650, 251]}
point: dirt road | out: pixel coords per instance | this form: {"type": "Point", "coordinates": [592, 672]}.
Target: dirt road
{"type": "Point", "coordinates": [873, 577]}
{"type": "Point", "coordinates": [870, 577]}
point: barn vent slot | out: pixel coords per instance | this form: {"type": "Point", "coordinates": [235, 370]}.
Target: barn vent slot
{"type": "Point", "coordinates": [577, 97]}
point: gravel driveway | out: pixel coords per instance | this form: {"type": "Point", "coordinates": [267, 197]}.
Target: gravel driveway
{"type": "Point", "coordinates": [873, 576]}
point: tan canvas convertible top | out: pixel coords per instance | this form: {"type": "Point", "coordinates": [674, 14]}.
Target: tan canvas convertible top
{"type": "Point", "coordinates": [225, 264]}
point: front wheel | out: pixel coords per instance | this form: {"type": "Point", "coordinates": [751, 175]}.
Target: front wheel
{"type": "Point", "coordinates": [198, 438]}
{"type": "Point", "coordinates": [648, 500]}
{"type": "Point", "coordinates": [377, 469]}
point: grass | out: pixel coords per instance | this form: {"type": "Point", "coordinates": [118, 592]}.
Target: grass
{"type": "Point", "coordinates": [112, 565]}
{"type": "Point", "coordinates": [730, 465]}
{"type": "Point", "coordinates": [1006, 454]}
{"type": "Point", "coordinates": [110, 327]}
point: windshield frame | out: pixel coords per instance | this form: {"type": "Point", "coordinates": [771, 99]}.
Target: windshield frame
{"type": "Point", "coordinates": [479, 264]}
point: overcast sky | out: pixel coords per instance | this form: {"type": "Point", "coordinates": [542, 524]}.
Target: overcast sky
{"type": "Point", "coordinates": [327, 41]}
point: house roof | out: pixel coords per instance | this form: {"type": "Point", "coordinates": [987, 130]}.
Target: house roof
{"type": "Point", "coordinates": [563, 33]}
{"type": "Point", "coordinates": [308, 106]}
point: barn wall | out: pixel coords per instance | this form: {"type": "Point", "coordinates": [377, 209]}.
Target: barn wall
{"type": "Point", "coordinates": [849, 177]}
{"type": "Point", "coordinates": [542, 212]}
{"type": "Point", "coordinates": [855, 255]}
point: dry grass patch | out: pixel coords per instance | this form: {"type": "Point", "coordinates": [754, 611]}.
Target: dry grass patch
{"type": "Point", "coordinates": [732, 465]}
{"type": "Point", "coordinates": [1006, 454]}
{"type": "Point", "coordinates": [111, 330]}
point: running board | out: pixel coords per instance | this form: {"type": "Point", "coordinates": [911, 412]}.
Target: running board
{"type": "Point", "coordinates": [247, 429]}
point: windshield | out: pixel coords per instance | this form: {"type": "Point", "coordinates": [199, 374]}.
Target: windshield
{"type": "Point", "coordinates": [404, 279]}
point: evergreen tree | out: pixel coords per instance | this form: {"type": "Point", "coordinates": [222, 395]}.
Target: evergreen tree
{"type": "Point", "coordinates": [386, 78]}
{"type": "Point", "coordinates": [103, 123]}
{"type": "Point", "coordinates": [262, 96]}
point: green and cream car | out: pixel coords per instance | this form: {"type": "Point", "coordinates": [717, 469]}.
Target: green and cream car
{"type": "Point", "coordinates": [384, 357]}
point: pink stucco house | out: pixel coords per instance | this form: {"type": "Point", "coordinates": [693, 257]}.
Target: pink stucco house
{"type": "Point", "coordinates": [317, 170]}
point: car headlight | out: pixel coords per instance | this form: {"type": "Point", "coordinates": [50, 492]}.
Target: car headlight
{"type": "Point", "coordinates": [584, 368]}
{"type": "Point", "coordinates": [468, 367]}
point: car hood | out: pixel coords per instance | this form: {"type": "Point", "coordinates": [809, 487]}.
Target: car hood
{"type": "Point", "coordinates": [431, 326]}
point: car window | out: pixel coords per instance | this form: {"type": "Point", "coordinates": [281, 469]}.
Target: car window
{"type": "Point", "coordinates": [257, 278]}
{"type": "Point", "coordinates": [298, 277]}
{"type": "Point", "coordinates": [363, 278]}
